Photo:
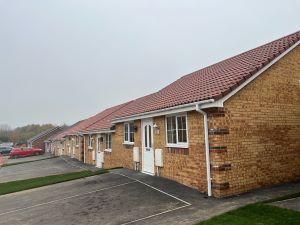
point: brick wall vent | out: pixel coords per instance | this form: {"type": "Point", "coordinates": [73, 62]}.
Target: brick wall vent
{"type": "Point", "coordinates": [223, 167]}
{"type": "Point", "coordinates": [218, 149]}
{"type": "Point", "coordinates": [180, 151]}
{"type": "Point", "coordinates": [218, 131]}
{"type": "Point", "coordinates": [220, 186]}
{"type": "Point", "coordinates": [216, 112]}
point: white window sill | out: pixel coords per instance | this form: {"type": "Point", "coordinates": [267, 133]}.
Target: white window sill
{"type": "Point", "coordinates": [77, 146]}
{"type": "Point", "coordinates": [177, 146]}
{"type": "Point", "coordinates": [107, 150]}
{"type": "Point", "coordinates": [128, 143]}
{"type": "Point", "coordinates": [90, 147]}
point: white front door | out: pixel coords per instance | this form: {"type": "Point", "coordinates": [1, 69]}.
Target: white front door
{"type": "Point", "coordinates": [73, 149]}
{"type": "Point", "coordinates": [99, 154]}
{"type": "Point", "coordinates": [147, 146]}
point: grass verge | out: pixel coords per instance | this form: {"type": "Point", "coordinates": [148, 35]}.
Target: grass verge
{"type": "Point", "coordinates": [258, 214]}
{"type": "Point", "coordinates": [17, 163]}
{"type": "Point", "coordinates": [21, 185]}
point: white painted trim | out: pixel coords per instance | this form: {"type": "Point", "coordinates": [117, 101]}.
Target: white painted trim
{"type": "Point", "coordinates": [129, 132]}
{"type": "Point", "coordinates": [108, 150]}
{"type": "Point", "coordinates": [179, 144]}
{"type": "Point", "coordinates": [128, 143]}
{"type": "Point", "coordinates": [220, 102]}
{"type": "Point", "coordinates": [161, 112]}
{"type": "Point", "coordinates": [98, 132]}
{"type": "Point", "coordinates": [147, 122]}
{"type": "Point", "coordinates": [207, 157]}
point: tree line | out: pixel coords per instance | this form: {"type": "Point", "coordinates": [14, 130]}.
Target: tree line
{"type": "Point", "coordinates": [20, 135]}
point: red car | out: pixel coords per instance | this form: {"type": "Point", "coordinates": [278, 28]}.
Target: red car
{"type": "Point", "coordinates": [23, 152]}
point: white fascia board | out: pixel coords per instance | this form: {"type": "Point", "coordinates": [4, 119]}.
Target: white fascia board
{"type": "Point", "coordinates": [162, 112]}
{"type": "Point", "coordinates": [220, 102]}
{"type": "Point", "coordinates": [104, 131]}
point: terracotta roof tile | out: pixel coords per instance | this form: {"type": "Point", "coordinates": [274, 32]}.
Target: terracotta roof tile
{"type": "Point", "coordinates": [212, 82]}
{"type": "Point", "coordinates": [104, 119]}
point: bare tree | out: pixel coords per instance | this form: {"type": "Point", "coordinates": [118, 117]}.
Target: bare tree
{"type": "Point", "coordinates": [5, 132]}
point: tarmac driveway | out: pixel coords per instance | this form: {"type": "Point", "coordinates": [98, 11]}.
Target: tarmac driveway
{"type": "Point", "coordinates": [121, 197]}
{"type": "Point", "coordinates": [40, 168]}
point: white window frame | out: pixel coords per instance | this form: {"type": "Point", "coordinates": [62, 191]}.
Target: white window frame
{"type": "Point", "coordinates": [77, 141]}
{"type": "Point", "coordinates": [90, 142]}
{"type": "Point", "coordinates": [128, 142]}
{"type": "Point", "coordinates": [108, 149]}
{"type": "Point", "coordinates": [178, 144]}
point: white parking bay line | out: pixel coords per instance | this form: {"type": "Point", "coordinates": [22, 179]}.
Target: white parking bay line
{"type": "Point", "coordinates": [186, 204]}
{"type": "Point", "coordinates": [66, 198]}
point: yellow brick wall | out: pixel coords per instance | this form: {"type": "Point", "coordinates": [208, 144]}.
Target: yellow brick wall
{"type": "Point", "coordinates": [89, 159]}
{"type": "Point", "coordinates": [189, 169]}
{"type": "Point", "coordinates": [263, 144]}
{"type": "Point", "coordinates": [121, 155]}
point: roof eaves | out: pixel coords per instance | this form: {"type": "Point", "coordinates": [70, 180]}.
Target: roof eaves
{"type": "Point", "coordinates": [220, 101]}
{"type": "Point", "coordinates": [161, 112]}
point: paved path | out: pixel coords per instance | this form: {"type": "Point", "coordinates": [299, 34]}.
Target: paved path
{"type": "Point", "coordinates": [293, 204]}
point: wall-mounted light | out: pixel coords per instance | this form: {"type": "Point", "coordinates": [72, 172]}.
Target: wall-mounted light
{"type": "Point", "coordinates": [156, 128]}
{"type": "Point", "coordinates": [135, 128]}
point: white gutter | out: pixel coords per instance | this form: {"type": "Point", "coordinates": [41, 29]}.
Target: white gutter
{"type": "Point", "coordinates": [104, 131]}
{"type": "Point", "coordinates": [208, 173]}
{"type": "Point", "coordinates": [84, 148]}
{"type": "Point", "coordinates": [161, 112]}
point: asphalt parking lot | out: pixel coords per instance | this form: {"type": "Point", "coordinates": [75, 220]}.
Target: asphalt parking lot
{"type": "Point", "coordinates": [121, 197]}
{"type": "Point", "coordinates": [40, 168]}
{"type": "Point", "coordinates": [26, 159]}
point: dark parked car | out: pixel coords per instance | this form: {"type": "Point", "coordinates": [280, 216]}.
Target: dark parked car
{"type": "Point", "coordinates": [5, 150]}
{"type": "Point", "coordinates": [23, 152]}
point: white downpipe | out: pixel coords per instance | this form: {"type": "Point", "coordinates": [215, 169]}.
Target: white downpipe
{"type": "Point", "coordinates": [84, 149]}
{"type": "Point", "coordinates": [208, 174]}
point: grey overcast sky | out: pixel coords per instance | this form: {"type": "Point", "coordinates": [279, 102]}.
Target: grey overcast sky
{"type": "Point", "coordinates": [64, 60]}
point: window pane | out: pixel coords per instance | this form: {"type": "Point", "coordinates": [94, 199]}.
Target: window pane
{"type": "Point", "coordinates": [172, 137]}
{"type": "Point", "coordinates": [171, 130]}
{"type": "Point", "coordinates": [108, 141]}
{"type": "Point", "coordinates": [126, 130]}
{"type": "Point", "coordinates": [150, 137]}
{"type": "Point", "coordinates": [169, 119]}
{"type": "Point", "coordinates": [131, 137]}
{"type": "Point", "coordinates": [182, 133]}
{"type": "Point", "coordinates": [146, 139]}
{"type": "Point", "coordinates": [179, 122]}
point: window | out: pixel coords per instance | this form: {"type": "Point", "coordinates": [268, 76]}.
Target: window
{"type": "Point", "coordinates": [77, 140]}
{"type": "Point", "coordinates": [129, 132]}
{"type": "Point", "coordinates": [90, 141]}
{"type": "Point", "coordinates": [98, 143]}
{"type": "Point", "coordinates": [177, 130]}
{"type": "Point", "coordinates": [108, 141]}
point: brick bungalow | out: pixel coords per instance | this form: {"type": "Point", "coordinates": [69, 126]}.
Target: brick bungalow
{"type": "Point", "coordinates": [56, 144]}
{"type": "Point", "coordinates": [226, 129]}
{"type": "Point", "coordinates": [38, 141]}
{"type": "Point", "coordinates": [99, 137]}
